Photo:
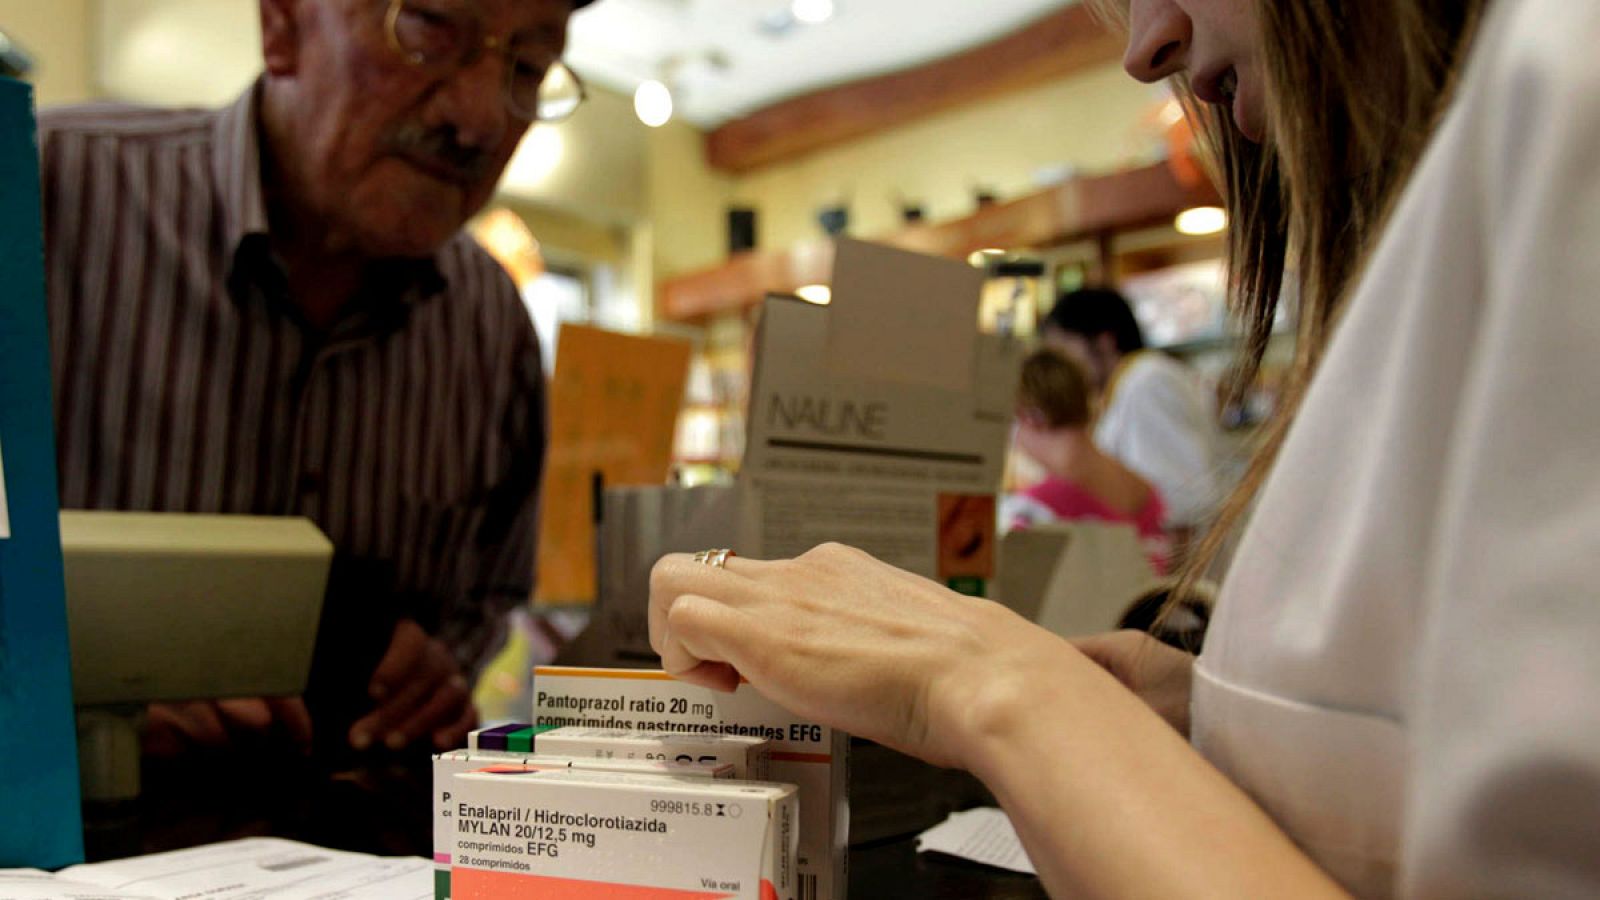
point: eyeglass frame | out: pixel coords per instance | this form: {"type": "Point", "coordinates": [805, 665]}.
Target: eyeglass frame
{"type": "Point", "coordinates": [474, 51]}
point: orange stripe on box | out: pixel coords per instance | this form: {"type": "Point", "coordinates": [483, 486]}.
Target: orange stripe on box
{"type": "Point", "coordinates": [477, 884]}
{"type": "Point", "coordinates": [641, 675]}
{"type": "Point", "coordinates": [784, 756]}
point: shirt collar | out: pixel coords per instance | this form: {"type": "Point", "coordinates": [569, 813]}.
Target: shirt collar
{"type": "Point", "coordinates": [236, 167]}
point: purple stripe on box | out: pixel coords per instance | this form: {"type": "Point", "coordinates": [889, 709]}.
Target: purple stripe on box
{"type": "Point", "coordinates": [493, 738]}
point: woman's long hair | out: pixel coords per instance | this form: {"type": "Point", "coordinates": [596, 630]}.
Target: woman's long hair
{"type": "Point", "coordinates": [1354, 90]}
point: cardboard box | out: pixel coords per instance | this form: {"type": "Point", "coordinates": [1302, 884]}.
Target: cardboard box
{"type": "Point", "coordinates": [579, 834]}
{"type": "Point", "coordinates": [448, 765]}
{"type": "Point", "coordinates": [811, 756]}
{"type": "Point", "coordinates": [881, 420]}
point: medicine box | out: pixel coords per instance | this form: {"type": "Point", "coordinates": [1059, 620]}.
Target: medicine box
{"type": "Point", "coordinates": [577, 834]}
{"type": "Point", "coordinates": [748, 755]}
{"type": "Point", "coordinates": [807, 754]}
{"type": "Point", "coordinates": [448, 765]}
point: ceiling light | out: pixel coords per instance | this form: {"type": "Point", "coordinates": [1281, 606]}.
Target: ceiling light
{"type": "Point", "coordinates": [820, 294]}
{"type": "Point", "coordinates": [812, 12]}
{"type": "Point", "coordinates": [1201, 220]}
{"type": "Point", "coordinates": [653, 104]}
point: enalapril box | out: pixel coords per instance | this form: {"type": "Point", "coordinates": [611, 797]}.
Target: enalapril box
{"type": "Point", "coordinates": [448, 765]}
{"type": "Point", "coordinates": [577, 834]}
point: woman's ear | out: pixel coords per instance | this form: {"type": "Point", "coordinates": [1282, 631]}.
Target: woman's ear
{"type": "Point", "coordinates": [280, 36]}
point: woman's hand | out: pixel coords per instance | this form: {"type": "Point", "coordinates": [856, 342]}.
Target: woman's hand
{"type": "Point", "coordinates": [837, 636]}
{"type": "Point", "coordinates": [1107, 799]}
{"type": "Point", "coordinates": [1160, 675]}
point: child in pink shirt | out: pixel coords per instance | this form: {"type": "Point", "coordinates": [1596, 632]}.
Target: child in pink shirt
{"type": "Point", "coordinates": [1083, 484]}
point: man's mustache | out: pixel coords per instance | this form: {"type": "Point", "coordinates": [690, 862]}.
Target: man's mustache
{"type": "Point", "coordinates": [439, 147]}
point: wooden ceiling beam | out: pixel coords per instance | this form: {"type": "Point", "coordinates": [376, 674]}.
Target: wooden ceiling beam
{"type": "Point", "coordinates": [1052, 47]}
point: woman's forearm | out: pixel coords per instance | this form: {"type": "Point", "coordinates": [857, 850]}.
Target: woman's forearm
{"type": "Point", "coordinates": [1110, 801]}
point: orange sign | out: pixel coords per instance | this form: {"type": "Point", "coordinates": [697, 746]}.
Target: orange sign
{"type": "Point", "coordinates": [614, 405]}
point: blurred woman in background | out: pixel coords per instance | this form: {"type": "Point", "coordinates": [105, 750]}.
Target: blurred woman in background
{"type": "Point", "coordinates": [1082, 484]}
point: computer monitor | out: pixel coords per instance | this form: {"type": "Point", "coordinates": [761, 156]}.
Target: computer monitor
{"type": "Point", "coordinates": [166, 606]}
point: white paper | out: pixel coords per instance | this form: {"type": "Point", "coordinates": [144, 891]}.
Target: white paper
{"type": "Point", "coordinates": [981, 835]}
{"type": "Point", "coordinates": [250, 868]}
{"type": "Point", "coordinates": [32, 884]}
{"type": "Point", "coordinates": [5, 517]}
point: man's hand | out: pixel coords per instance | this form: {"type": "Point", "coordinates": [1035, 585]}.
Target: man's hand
{"type": "Point", "coordinates": [420, 692]}
{"type": "Point", "coordinates": [174, 729]}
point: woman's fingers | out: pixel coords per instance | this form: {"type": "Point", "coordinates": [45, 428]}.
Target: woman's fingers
{"type": "Point", "coordinates": [701, 635]}
{"type": "Point", "coordinates": [678, 574]}
{"type": "Point", "coordinates": [718, 676]}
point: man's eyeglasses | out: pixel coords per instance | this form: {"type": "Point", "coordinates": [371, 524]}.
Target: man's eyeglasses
{"type": "Point", "coordinates": [445, 38]}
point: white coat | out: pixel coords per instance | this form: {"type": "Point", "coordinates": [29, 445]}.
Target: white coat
{"type": "Point", "coordinates": [1405, 666]}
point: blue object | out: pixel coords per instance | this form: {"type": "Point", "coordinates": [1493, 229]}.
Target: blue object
{"type": "Point", "coordinates": [41, 824]}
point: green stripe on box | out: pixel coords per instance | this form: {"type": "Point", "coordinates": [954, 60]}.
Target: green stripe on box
{"type": "Point", "coordinates": [520, 741]}
{"type": "Point", "coordinates": [525, 740]}
{"type": "Point", "coordinates": [972, 587]}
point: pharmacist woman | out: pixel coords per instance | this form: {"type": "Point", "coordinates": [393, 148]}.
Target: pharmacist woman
{"type": "Point", "coordinates": [1400, 694]}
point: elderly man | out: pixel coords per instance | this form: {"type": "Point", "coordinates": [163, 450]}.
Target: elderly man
{"type": "Point", "coordinates": [271, 309]}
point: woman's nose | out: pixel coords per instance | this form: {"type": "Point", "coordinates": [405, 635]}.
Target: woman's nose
{"type": "Point", "coordinates": [1158, 40]}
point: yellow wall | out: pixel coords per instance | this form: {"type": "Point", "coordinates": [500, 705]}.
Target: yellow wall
{"type": "Point", "coordinates": [56, 34]}
{"type": "Point", "coordinates": [1090, 121]}
{"type": "Point", "coordinates": [564, 236]}
{"type": "Point", "coordinates": [688, 202]}
{"type": "Point", "coordinates": [602, 174]}
{"type": "Point", "coordinates": [176, 52]}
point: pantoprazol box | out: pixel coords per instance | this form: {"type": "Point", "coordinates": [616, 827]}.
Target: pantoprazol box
{"type": "Point", "coordinates": [811, 756]}
{"type": "Point", "coordinates": [448, 765]}
{"type": "Point", "coordinates": [579, 834]}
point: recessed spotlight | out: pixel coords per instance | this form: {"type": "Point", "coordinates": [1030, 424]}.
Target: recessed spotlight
{"type": "Point", "coordinates": [812, 12]}
{"type": "Point", "coordinates": [820, 294]}
{"type": "Point", "coordinates": [1201, 220]}
{"type": "Point", "coordinates": [653, 104]}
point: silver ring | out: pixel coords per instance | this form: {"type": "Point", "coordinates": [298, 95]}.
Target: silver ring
{"type": "Point", "coordinates": [716, 559]}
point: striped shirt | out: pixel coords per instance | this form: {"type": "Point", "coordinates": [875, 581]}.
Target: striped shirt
{"type": "Point", "coordinates": [412, 430]}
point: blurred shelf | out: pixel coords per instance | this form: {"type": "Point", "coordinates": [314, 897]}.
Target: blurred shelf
{"type": "Point", "coordinates": [1075, 209]}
